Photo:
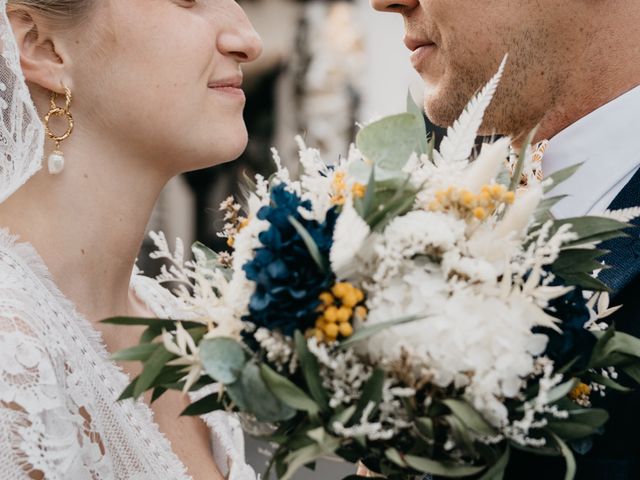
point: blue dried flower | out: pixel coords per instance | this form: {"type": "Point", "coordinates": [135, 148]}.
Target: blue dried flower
{"type": "Point", "coordinates": [288, 280]}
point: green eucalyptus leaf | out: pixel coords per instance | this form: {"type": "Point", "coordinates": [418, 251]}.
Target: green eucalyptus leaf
{"type": "Point", "coordinates": [252, 395]}
{"type": "Point", "coordinates": [342, 416]}
{"type": "Point", "coordinates": [287, 392]}
{"type": "Point", "coordinates": [138, 353]}
{"type": "Point", "coordinates": [615, 348]}
{"type": "Point", "coordinates": [222, 358]}
{"type": "Point", "coordinates": [633, 371]}
{"type": "Point", "coordinates": [391, 141]}
{"type": "Point", "coordinates": [311, 372]}
{"type": "Point", "coordinates": [310, 243]}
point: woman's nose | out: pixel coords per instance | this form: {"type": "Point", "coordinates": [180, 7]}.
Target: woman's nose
{"type": "Point", "coordinates": [241, 41]}
{"type": "Point", "coordinates": [396, 6]}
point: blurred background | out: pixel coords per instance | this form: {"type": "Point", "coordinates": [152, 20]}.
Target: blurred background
{"type": "Point", "coordinates": [326, 66]}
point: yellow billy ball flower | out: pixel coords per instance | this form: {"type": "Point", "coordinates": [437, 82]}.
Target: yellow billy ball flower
{"type": "Point", "coordinates": [467, 198]}
{"type": "Point", "coordinates": [359, 295]}
{"type": "Point", "coordinates": [480, 213]}
{"type": "Point", "coordinates": [331, 331]}
{"type": "Point", "coordinates": [344, 314]}
{"type": "Point", "coordinates": [350, 300]}
{"type": "Point", "coordinates": [327, 299]}
{"type": "Point", "coordinates": [509, 197]}
{"type": "Point", "coordinates": [331, 314]}
{"type": "Point", "coordinates": [341, 289]}
{"type": "Point", "coordinates": [346, 330]}
{"type": "Point", "coordinates": [361, 312]}
{"type": "Point", "coordinates": [358, 190]}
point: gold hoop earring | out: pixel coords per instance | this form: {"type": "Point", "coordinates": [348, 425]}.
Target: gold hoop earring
{"type": "Point", "coordinates": [56, 159]}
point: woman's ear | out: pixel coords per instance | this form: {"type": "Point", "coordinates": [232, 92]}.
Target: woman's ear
{"type": "Point", "coordinates": [41, 63]}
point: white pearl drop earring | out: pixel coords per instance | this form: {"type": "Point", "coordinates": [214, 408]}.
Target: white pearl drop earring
{"type": "Point", "coordinates": [56, 159]}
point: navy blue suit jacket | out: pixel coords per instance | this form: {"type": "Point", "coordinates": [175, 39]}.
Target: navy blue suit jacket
{"type": "Point", "coordinates": [616, 454]}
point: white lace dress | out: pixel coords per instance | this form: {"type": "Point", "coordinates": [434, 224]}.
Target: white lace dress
{"type": "Point", "coordinates": [58, 412]}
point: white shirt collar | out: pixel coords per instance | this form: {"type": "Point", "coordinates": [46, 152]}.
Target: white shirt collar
{"type": "Point", "coordinates": [607, 142]}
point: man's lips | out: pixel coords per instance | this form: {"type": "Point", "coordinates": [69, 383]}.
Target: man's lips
{"type": "Point", "coordinates": [422, 54]}
{"type": "Point", "coordinates": [421, 50]}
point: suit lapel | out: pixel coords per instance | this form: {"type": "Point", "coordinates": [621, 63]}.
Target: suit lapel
{"type": "Point", "coordinates": [624, 254]}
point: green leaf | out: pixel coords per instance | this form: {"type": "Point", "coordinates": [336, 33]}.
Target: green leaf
{"type": "Point", "coordinates": [580, 424]}
{"type": "Point", "coordinates": [252, 395]}
{"type": "Point", "coordinates": [615, 348]}
{"type": "Point", "coordinates": [433, 467]}
{"type": "Point", "coordinates": [207, 404]}
{"type": "Point", "coordinates": [578, 260]}
{"type": "Point", "coordinates": [311, 372]}
{"type": "Point", "coordinates": [460, 434]}
{"type": "Point", "coordinates": [310, 243]}
{"type": "Point", "coordinates": [366, 332]}
{"type": "Point", "coordinates": [606, 381]}
{"type": "Point", "coordinates": [561, 176]}
{"type": "Point", "coordinates": [469, 417]}
{"type": "Point", "coordinates": [151, 322]}
{"type": "Point", "coordinates": [543, 213]}
{"type": "Point", "coordinates": [390, 142]}
{"type": "Point", "coordinates": [519, 167]}
{"type": "Point", "coordinates": [590, 229]}
{"type": "Point", "coordinates": [561, 391]}
{"type": "Point", "coordinates": [222, 358]}
{"type": "Point", "coordinates": [343, 416]}
{"type": "Point", "coordinates": [287, 392]}
{"type": "Point", "coordinates": [152, 368]}
{"type": "Point", "coordinates": [138, 353]}
{"type": "Point", "coordinates": [425, 427]}
{"type": "Point", "coordinates": [585, 281]}
{"type": "Point", "coordinates": [371, 393]}
{"type": "Point", "coordinates": [497, 470]}
{"type": "Point", "coordinates": [299, 458]}
{"type": "Point", "coordinates": [415, 110]}
{"type": "Point", "coordinates": [568, 456]}
{"type": "Point", "coordinates": [128, 391]}
{"type": "Point", "coordinates": [157, 393]}
{"type": "Point", "coordinates": [633, 371]}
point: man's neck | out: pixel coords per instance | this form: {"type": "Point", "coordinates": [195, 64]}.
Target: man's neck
{"type": "Point", "coordinates": [87, 224]}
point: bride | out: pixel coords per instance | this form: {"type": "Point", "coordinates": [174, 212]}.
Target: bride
{"type": "Point", "coordinates": [119, 97]}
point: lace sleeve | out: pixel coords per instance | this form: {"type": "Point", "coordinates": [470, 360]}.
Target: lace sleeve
{"type": "Point", "coordinates": [41, 434]}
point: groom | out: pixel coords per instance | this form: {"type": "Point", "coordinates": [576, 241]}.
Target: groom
{"type": "Point", "coordinates": [573, 71]}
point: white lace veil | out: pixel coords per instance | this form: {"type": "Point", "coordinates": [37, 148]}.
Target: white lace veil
{"type": "Point", "coordinates": [21, 131]}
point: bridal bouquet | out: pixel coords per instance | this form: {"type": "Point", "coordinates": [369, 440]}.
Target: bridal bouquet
{"type": "Point", "coordinates": [409, 308]}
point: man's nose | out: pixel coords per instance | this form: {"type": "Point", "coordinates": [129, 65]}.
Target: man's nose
{"type": "Point", "coordinates": [395, 6]}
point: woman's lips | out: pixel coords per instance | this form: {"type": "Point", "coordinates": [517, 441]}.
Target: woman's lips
{"type": "Point", "coordinates": [421, 56]}
{"type": "Point", "coordinates": [231, 87]}
{"type": "Point", "coordinates": [229, 90]}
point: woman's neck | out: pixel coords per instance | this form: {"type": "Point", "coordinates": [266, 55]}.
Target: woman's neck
{"type": "Point", "coordinates": [88, 224]}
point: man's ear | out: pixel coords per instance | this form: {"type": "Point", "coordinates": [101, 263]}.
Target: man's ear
{"type": "Point", "coordinates": [41, 63]}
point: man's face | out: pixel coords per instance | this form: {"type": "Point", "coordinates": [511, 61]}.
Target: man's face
{"type": "Point", "coordinates": [458, 45]}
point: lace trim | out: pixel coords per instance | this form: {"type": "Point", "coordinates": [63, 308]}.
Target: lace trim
{"type": "Point", "coordinates": [153, 443]}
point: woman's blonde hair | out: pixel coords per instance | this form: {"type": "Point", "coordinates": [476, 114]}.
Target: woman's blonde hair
{"type": "Point", "coordinates": [57, 9]}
